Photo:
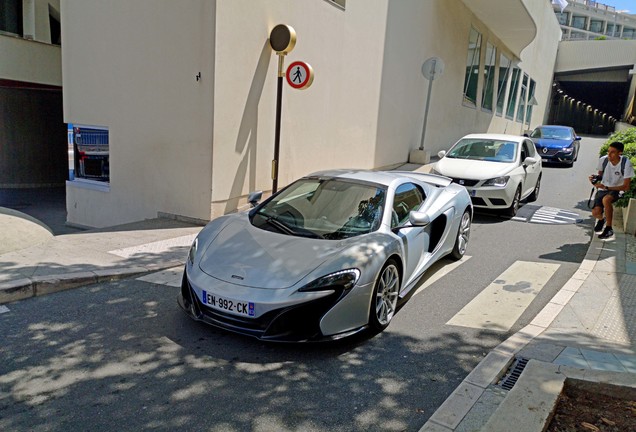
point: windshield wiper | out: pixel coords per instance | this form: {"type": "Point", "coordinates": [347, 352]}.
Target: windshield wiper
{"type": "Point", "coordinates": [279, 225]}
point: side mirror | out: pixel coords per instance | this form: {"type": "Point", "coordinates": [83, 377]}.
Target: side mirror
{"type": "Point", "coordinates": [441, 153]}
{"type": "Point", "coordinates": [526, 135]}
{"type": "Point", "coordinates": [529, 161]}
{"type": "Point", "coordinates": [254, 197]}
{"type": "Point", "coordinates": [577, 138]}
{"type": "Point", "coordinates": [419, 219]}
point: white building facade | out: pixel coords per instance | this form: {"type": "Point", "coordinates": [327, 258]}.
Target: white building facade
{"type": "Point", "coordinates": [589, 19]}
{"type": "Point", "coordinates": [185, 92]}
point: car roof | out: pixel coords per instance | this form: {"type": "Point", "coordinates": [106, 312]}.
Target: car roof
{"type": "Point", "coordinates": [500, 137]}
{"type": "Point", "coordinates": [553, 127]}
{"type": "Point", "coordinates": [384, 178]}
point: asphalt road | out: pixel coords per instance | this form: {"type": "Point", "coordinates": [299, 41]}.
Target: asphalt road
{"type": "Point", "coordinates": [122, 356]}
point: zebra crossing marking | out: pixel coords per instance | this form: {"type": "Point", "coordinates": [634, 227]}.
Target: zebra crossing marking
{"type": "Point", "coordinates": [546, 215]}
{"type": "Point", "coordinates": [500, 304]}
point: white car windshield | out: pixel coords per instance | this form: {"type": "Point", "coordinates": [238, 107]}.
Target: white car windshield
{"type": "Point", "coordinates": [484, 149]}
{"type": "Point", "coordinates": [323, 208]}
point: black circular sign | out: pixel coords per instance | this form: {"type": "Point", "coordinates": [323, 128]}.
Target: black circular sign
{"type": "Point", "coordinates": [282, 38]}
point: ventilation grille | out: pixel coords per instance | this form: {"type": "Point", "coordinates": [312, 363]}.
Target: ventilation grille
{"type": "Point", "coordinates": [512, 375]}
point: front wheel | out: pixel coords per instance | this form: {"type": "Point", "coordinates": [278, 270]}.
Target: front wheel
{"type": "Point", "coordinates": [463, 234]}
{"type": "Point", "coordinates": [385, 297]}
{"type": "Point", "coordinates": [535, 193]}
{"type": "Point", "coordinates": [512, 210]}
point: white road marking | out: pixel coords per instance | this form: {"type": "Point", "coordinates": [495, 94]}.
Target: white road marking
{"type": "Point", "coordinates": [3, 309]}
{"type": "Point", "coordinates": [502, 302]}
{"type": "Point", "coordinates": [437, 271]}
{"type": "Point", "coordinates": [157, 247]}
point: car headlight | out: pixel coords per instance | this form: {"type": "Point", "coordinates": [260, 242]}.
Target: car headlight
{"type": "Point", "coordinates": [193, 250]}
{"type": "Point", "coordinates": [568, 150]}
{"type": "Point", "coordinates": [344, 279]}
{"type": "Point", "coordinates": [497, 182]}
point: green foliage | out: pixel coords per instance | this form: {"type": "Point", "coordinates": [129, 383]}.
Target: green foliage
{"type": "Point", "coordinates": [628, 138]}
{"type": "Point", "coordinates": [600, 38]}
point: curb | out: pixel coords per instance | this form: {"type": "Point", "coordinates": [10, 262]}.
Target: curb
{"type": "Point", "coordinates": [21, 289]}
{"type": "Point", "coordinates": [490, 370]}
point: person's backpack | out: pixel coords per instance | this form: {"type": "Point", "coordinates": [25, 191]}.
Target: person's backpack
{"type": "Point", "coordinates": [623, 162]}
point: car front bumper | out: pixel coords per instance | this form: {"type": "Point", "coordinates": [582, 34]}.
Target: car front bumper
{"type": "Point", "coordinates": [291, 323]}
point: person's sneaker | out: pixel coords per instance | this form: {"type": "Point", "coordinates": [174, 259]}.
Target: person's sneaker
{"type": "Point", "coordinates": [598, 227]}
{"type": "Point", "coordinates": [607, 233]}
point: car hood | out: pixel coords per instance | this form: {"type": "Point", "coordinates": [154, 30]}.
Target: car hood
{"type": "Point", "coordinates": [244, 255]}
{"type": "Point", "coordinates": [552, 143]}
{"type": "Point", "coordinates": [472, 169]}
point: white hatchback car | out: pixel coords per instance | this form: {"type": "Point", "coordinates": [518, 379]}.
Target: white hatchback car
{"type": "Point", "coordinates": [499, 171]}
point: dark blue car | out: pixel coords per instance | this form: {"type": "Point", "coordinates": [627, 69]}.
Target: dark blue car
{"type": "Point", "coordinates": [556, 144]}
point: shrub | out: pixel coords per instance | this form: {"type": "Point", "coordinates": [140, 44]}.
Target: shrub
{"type": "Point", "coordinates": [628, 138]}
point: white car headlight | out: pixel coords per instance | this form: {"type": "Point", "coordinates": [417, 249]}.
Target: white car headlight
{"type": "Point", "coordinates": [497, 182]}
{"type": "Point", "coordinates": [568, 150]}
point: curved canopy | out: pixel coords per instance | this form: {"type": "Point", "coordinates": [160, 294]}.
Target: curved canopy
{"type": "Point", "coordinates": [509, 20]}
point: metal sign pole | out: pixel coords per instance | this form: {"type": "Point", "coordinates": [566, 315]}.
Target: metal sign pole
{"type": "Point", "coordinates": [282, 39]}
{"type": "Point", "coordinates": [279, 102]}
{"type": "Point", "coordinates": [428, 102]}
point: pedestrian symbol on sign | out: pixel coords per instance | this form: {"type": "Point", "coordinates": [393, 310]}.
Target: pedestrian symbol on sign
{"type": "Point", "coordinates": [299, 75]}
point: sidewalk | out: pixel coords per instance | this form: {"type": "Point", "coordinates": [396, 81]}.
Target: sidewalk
{"type": "Point", "coordinates": [586, 332]}
{"type": "Point", "coordinates": [35, 262]}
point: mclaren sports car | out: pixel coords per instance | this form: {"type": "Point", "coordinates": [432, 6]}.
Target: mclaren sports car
{"type": "Point", "coordinates": [332, 254]}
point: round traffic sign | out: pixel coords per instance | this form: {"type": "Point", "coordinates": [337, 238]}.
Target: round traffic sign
{"type": "Point", "coordinates": [299, 75]}
{"type": "Point", "coordinates": [282, 38]}
{"type": "Point", "coordinates": [433, 68]}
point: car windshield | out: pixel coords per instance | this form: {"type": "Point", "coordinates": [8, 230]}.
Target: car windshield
{"type": "Point", "coordinates": [493, 150]}
{"type": "Point", "coordinates": [323, 208]}
{"type": "Point", "coordinates": [551, 133]}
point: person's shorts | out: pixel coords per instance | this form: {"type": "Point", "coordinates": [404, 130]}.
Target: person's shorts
{"type": "Point", "coordinates": [598, 198]}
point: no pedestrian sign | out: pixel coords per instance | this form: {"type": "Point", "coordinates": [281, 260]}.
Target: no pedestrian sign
{"type": "Point", "coordinates": [299, 75]}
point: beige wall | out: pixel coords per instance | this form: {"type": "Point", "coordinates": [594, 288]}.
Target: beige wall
{"type": "Point", "coordinates": [30, 61]}
{"type": "Point", "coordinates": [196, 149]}
{"type": "Point", "coordinates": [133, 70]}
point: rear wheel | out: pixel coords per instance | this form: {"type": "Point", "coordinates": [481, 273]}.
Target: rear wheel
{"type": "Point", "coordinates": [463, 234]}
{"type": "Point", "coordinates": [385, 296]}
{"type": "Point", "coordinates": [512, 210]}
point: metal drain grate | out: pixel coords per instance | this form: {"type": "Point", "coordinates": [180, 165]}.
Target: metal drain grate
{"type": "Point", "coordinates": [512, 375]}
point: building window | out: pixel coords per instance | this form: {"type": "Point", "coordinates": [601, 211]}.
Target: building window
{"type": "Point", "coordinates": [90, 152]}
{"type": "Point", "coordinates": [504, 71]}
{"type": "Point", "coordinates": [521, 108]}
{"type": "Point", "coordinates": [11, 17]}
{"type": "Point", "coordinates": [579, 22]}
{"type": "Point", "coordinates": [531, 101]}
{"type": "Point", "coordinates": [628, 33]}
{"type": "Point", "coordinates": [489, 77]}
{"type": "Point", "coordinates": [613, 30]}
{"type": "Point", "coordinates": [512, 94]}
{"type": "Point", "coordinates": [472, 67]}
{"type": "Point", "coordinates": [563, 18]}
{"type": "Point", "coordinates": [596, 26]}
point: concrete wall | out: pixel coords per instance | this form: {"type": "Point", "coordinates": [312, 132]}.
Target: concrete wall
{"type": "Point", "coordinates": [30, 61]}
{"type": "Point", "coordinates": [197, 148]}
{"type": "Point", "coordinates": [140, 82]}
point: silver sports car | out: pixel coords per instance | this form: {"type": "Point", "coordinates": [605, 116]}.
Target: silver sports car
{"type": "Point", "coordinates": [332, 254]}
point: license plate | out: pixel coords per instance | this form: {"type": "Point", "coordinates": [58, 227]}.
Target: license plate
{"type": "Point", "coordinates": [544, 160]}
{"type": "Point", "coordinates": [239, 307]}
